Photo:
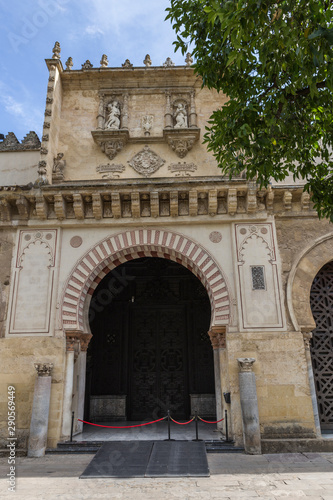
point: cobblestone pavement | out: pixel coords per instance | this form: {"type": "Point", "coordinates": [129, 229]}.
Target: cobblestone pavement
{"type": "Point", "coordinates": [270, 477]}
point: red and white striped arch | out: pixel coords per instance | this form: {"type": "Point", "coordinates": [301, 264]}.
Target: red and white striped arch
{"type": "Point", "coordinates": [133, 244]}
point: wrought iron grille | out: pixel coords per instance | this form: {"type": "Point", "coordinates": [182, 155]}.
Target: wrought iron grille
{"type": "Point", "coordinates": [321, 299]}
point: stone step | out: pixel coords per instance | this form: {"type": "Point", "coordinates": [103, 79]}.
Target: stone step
{"type": "Point", "coordinates": [94, 446]}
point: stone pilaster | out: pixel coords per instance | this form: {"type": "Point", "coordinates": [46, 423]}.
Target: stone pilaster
{"type": "Point", "coordinates": [40, 411]}
{"type": "Point", "coordinates": [217, 337]}
{"type": "Point", "coordinates": [307, 336]}
{"type": "Point", "coordinates": [249, 406]}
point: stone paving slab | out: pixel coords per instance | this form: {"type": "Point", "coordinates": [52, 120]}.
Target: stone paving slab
{"type": "Point", "coordinates": [264, 477]}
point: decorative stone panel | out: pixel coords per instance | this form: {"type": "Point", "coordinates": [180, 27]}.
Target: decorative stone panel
{"type": "Point", "coordinates": [259, 288]}
{"type": "Point", "coordinates": [33, 282]}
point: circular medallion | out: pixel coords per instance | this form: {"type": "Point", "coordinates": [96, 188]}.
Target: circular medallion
{"type": "Point", "coordinates": [264, 230]}
{"type": "Point", "coordinates": [27, 237]}
{"type": "Point", "coordinates": [215, 236]}
{"type": "Point", "coordinates": [76, 241]}
{"type": "Point", "coordinates": [38, 235]}
{"type": "Point", "coordinates": [243, 230]}
{"type": "Point", "coordinates": [48, 236]}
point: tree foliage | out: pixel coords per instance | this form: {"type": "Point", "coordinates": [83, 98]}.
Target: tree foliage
{"type": "Point", "coordinates": [273, 59]}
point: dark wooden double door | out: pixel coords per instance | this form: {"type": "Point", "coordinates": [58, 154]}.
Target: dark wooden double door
{"type": "Point", "coordinates": [151, 342]}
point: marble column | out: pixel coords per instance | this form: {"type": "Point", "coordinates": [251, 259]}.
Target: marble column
{"type": "Point", "coordinates": [40, 411]}
{"type": "Point", "coordinates": [85, 339]}
{"type": "Point", "coordinates": [307, 336]}
{"type": "Point", "coordinates": [249, 406]}
{"type": "Point", "coordinates": [217, 338]}
{"type": "Point", "coordinates": [72, 351]}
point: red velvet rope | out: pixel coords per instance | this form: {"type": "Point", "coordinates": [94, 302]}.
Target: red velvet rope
{"type": "Point", "coordinates": [122, 427]}
{"type": "Point", "coordinates": [207, 422]}
{"type": "Point", "coordinates": [182, 423]}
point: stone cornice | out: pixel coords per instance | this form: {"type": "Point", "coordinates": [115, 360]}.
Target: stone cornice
{"type": "Point", "coordinates": [149, 199]}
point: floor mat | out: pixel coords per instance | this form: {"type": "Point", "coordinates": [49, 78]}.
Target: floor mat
{"type": "Point", "coordinates": [120, 459]}
{"type": "Point", "coordinates": [149, 459]}
{"type": "Point", "coordinates": [178, 458]}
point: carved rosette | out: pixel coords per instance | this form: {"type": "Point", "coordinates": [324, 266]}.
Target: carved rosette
{"type": "Point", "coordinates": [217, 335]}
{"type": "Point", "coordinates": [43, 369]}
{"type": "Point", "coordinates": [146, 162]}
{"type": "Point", "coordinates": [111, 142]}
{"type": "Point", "coordinates": [181, 141]}
{"type": "Point", "coordinates": [246, 364]}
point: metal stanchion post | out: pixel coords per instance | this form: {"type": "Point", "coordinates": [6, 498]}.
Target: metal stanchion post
{"type": "Point", "coordinates": [196, 428]}
{"type": "Point", "coordinates": [169, 431]}
{"type": "Point", "coordinates": [72, 426]}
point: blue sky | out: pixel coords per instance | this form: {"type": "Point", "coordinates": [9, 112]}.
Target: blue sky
{"type": "Point", "coordinates": [121, 29]}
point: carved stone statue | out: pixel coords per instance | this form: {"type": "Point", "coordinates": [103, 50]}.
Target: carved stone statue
{"type": "Point", "coordinates": [58, 168]}
{"type": "Point", "coordinates": [113, 116]}
{"type": "Point", "coordinates": [181, 116]}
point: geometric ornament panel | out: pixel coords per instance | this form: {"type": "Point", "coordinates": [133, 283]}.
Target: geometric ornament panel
{"type": "Point", "coordinates": [321, 300]}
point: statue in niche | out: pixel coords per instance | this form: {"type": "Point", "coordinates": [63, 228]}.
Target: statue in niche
{"type": "Point", "coordinates": [113, 117]}
{"type": "Point", "coordinates": [181, 116]}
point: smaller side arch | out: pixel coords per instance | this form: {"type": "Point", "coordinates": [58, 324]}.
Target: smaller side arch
{"type": "Point", "coordinates": [301, 276]}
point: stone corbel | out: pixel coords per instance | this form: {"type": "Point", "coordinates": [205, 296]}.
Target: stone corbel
{"type": "Point", "coordinates": [181, 141]}
{"type": "Point", "coordinates": [5, 210]}
{"type": "Point", "coordinates": [111, 142]}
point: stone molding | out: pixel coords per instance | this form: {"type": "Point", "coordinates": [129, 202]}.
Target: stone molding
{"type": "Point", "coordinates": [43, 369]}
{"type": "Point", "coordinates": [246, 364]}
{"type": "Point", "coordinates": [129, 245]}
{"type": "Point", "coordinates": [165, 197]}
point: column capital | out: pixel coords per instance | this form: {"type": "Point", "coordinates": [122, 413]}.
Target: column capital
{"type": "Point", "coordinates": [77, 341]}
{"type": "Point", "coordinates": [43, 369]}
{"type": "Point", "coordinates": [217, 336]}
{"type": "Point", "coordinates": [85, 339]}
{"type": "Point", "coordinates": [246, 364]}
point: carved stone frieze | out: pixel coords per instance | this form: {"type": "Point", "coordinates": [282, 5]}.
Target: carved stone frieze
{"type": "Point", "coordinates": [182, 169]}
{"type": "Point", "coordinates": [146, 162]}
{"type": "Point", "coordinates": [109, 171]}
{"type": "Point", "coordinates": [111, 142]}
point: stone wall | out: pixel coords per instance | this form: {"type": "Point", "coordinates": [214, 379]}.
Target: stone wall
{"type": "Point", "coordinates": [285, 409]}
{"type": "Point", "coordinates": [6, 253]}
{"type": "Point", "coordinates": [17, 358]}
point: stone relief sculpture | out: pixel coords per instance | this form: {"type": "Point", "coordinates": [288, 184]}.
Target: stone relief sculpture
{"type": "Point", "coordinates": [180, 116]}
{"type": "Point", "coordinates": [147, 123]}
{"type": "Point", "coordinates": [58, 168]}
{"type": "Point", "coordinates": [112, 121]}
{"type": "Point", "coordinates": [146, 162]}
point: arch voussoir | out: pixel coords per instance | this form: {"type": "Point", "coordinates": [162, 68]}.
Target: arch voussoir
{"type": "Point", "coordinates": [128, 245]}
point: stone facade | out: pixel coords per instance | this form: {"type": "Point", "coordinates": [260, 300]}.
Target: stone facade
{"type": "Point", "coordinates": [121, 173]}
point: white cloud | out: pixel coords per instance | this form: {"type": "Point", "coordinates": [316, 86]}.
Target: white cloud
{"type": "Point", "coordinates": [24, 111]}
{"type": "Point", "coordinates": [93, 30]}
